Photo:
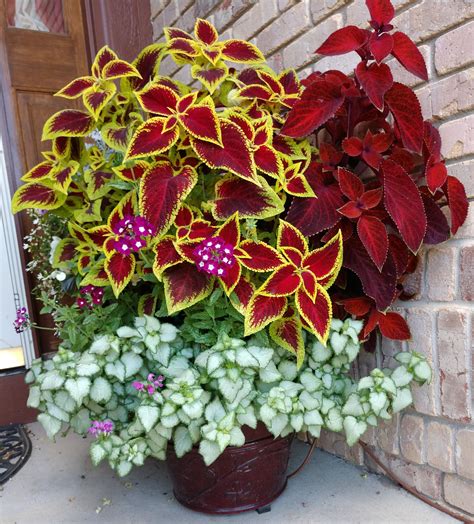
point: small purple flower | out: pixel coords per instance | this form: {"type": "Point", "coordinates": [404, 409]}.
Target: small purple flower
{"type": "Point", "coordinates": [138, 385]}
{"type": "Point", "coordinates": [22, 320]}
{"type": "Point", "coordinates": [151, 385]}
{"type": "Point", "coordinates": [214, 256]}
{"type": "Point", "coordinates": [130, 233]}
{"type": "Point", "coordinates": [101, 428]}
{"type": "Point", "coordinates": [95, 293]}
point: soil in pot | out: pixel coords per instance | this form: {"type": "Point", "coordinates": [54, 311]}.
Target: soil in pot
{"type": "Point", "coordinates": [241, 479]}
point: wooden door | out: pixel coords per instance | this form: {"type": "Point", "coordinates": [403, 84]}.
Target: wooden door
{"type": "Point", "coordinates": [42, 48]}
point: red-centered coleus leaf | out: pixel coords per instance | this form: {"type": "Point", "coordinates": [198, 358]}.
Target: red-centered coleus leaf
{"type": "Point", "coordinates": [262, 310]}
{"type": "Point", "coordinates": [158, 99]}
{"type": "Point", "coordinates": [288, 333]}
{"type": "Point", "coordinates": [64, 252]}
{"type": "Point", "coordinates": [283, 282]}
{"type": "Point", "coordinates": [381, 11]}
{"type": "Point", "coordinates": [69, 122]}
{"type": "Point", "coordinates": [342, 41]}
{"type": "Point", "coordinates": [403, 202]}
{"type": "Point", "coordinates": [258, 256]}
{"type": "Point", "coordinates": [119, 69]}
{"type": "Point", "coordinates": [97, 97]}
{"type": "Point", "coordinates": [241, 52]}
{"type": "Point", "coordinates": [432, 140]}
{"type": "Point", "coordinates": [151, 139]}
{"type": "Point", "coordinates": [289, 236]}
{"type": "Point", "coordinates": [165, 256]}
{"type": "Point", "coordinates": [161, 193]}
{"type": "Point", "coordinates": [376, 80]}
{"type": "Point", "coordinates": [145, 64]}
{"type": "Point", "coordinates": [210, 77]}
{"type": "Point", "coordinates": [437, 229]}
{"type": "Point", "coordinates": [120, 269]}
{"type": "Point", "coordinates": [62, 177]}
{"type": "Point", "coordinates": [37, 196]}
{"type": "Point", "coordinates": [317, 312]}
{"type": "Point", "coordinates": [406, 52]}
{"type": "Point", "coordinates": [457, 201]}
{"type": "Point", "coordinates": [235, 194]}
{"type": "Point", "coordinates": [234, 154]}
{"type": "Point", "coordinates": [379, 285]}
{"type": "Point", "coordinates": [242, 294]}
{"type": "Point", "coordinates": [312, 215]}
{"type": "Point", "coordinates": [184, 286]}
{"type": "Point", "coordinates": [116, 136]}
{"type": "Point", "coordinates": [77, 87]}
{"type": "Point", "coordinates": [325, 262]}
{"type": "Point", "coordinates": [318, 103]}
{"type": "Point", "coordinates": [147, 305]}
{"type": "Point", "coordinates": [201, 122]}
{"type": "Point", "coordinates": [373, 235]}
{"type": "Point", "coordinates": [205, 31]}
{"type": "Point", "coordinates": [406, 110]}
{"type": "Point", "coordinates": [41, 170]}
{"type": "Point", "coordinates": [132, 173]}
{"type": "Point", "coordinates": [358, 306]}
{"type": "Point", "coordinates": [380, 46]}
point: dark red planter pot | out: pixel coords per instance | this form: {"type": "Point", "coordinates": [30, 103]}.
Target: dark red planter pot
{"type": "Point", "coordinates": [241, 479]}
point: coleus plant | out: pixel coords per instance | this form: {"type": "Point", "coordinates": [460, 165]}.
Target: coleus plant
{"type": "Point", "coordinates": [177, 190]}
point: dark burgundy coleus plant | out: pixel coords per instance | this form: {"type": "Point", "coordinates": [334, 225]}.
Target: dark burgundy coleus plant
{"type": "Point", "coordinates": [380, 176]}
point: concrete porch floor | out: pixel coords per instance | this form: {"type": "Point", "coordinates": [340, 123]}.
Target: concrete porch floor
{"type": "Point", "coordinates": [59, 485]}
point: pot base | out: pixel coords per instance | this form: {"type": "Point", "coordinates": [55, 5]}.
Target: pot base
{"type": "Point", "coordinates": [241, 479]}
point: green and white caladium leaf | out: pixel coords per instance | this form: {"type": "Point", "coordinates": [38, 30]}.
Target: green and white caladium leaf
{"type": "Point", "coordinates": [101, 390]}
{"type": "Point", "coordinates": [237, 438]}
{"type": "Point", "coordinates": [402, 400]}
{"type": "Point", "coordinates": [313, 418]}
{"type": "Point", "coordinates": [401, 376]}
{"type": "Point", "coordinates": [97, 453]}
{"type": "Point", "coordinates": [34, 397]}
{"type": "Point", "coordinates": [248, 418]}
{"type": "Point", "coordinates": [229, 388]}
{"type": "Point", "coordinates": [52, 380]}
{"type": "Point", "coordinates": [288, 369]}
{"type": "Point", "coordinates": [353, 406]}
{"type": "Point", "coordinates": [278, 424]}
{"type": "Point", "coordinates": [270, 373]}
{"type": "Point", "coordinates": [404, 357]}
{"type": "Point", "coordinates": [223, 440]}
{"type": "Point", "coordinates": [263, 355]}
{"type": "Point", "coordinates": [423, 371]}
{"type": "Point", "coordinates": [132, 363]}
{"type": "Point", "coordinates": [78, 388]}
{"type": "Point", "coordinates": [310, 381]}
{"type": "Point", "coordinates": [334, 420]}
{"type": "Point", "coordinates": [209, 451]}
{"type": "Point", "coordinates": [389, 385]}
{"type": "Point", "coordinates": [115, 369]}
{"type": "Point", "coordinates": [148, 416]}
{"type": "Point", "coordinates": [354, 429]}
{"type": "Point", "coordinates": [100, 345]}
{"type": "Point", "coordinates": [245, 359]}
{"type": "Point", "coordinates": [51, 425]}
{"type": "Point", "coordinates": [365, 383]}
{"type": "Point", "coordinates": [57, 412]}
{"type": "Point", "coordinates": [377, 401]}
{"type": "Point", "coordinates": [214, 362]}
{"type": "Point", "coordinates": [352, 350]}
{"type": "Point", "coordinates": [81, 421]}
{"type": "Point", "coordinates": [308, 401]}
{"type": "Point", "coordinates": [193, 409]}
{"type": "Point", "coordinates": [64, 400]}
{"type": "Point", "coordinates": [127, 332]}
{"type": "Point", "coordinates": [338, 342]}
{"type": "Point", "coordinates": [87, 366]}
{"type": "Point", "coordinates": [215, 411]}
{"type": "Point", "coordinates": [182, 441]}
{"type": "Point", "coordinates": [320, 353]}
{"type": "Point", "coordinates": [168, 332]}
{"type": "Point", "coordinates": [296, 421]}
{"type": "Point", "coordinates": [124, 468]}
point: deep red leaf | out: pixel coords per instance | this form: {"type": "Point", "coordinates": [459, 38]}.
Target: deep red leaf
{"type": "Point", "coordinates": [283, 282]}
{"type": "Point", "coordinates": [120, 269]}
{"type": "Point", "coordinates": [394, 326]}
{"type": "Point", "coordinates": [352, 146]}
{"type": "Point", "coordinates": [432, 140]}
{"type": "Point", "coordinates": [406, 110]}
{"type": "Point", "coordinates": [381, 11]}
{"type": "Point", "coordinates": [158, 99]}
{"type": "Point", "coordinates": [262, 310]}
{"type": "Point", "coordinates": [318, 103]}
{"type": "Point", "coordinates": [205, 31]}
{"type": "Point", "coordinates": [406, 52]}
{"type": "Point", "coordinates": [403, 202]}
{"type": "Point", "coordinates": [437, 229]}
{"type": "Point", "coordinates": [380, 46]}
{"type": "Point", "coordinates": [350, 210]}
{"type": "Point", "coordinates": [376, 80]}
{"type": "Point", "coordinates": [436, 174]}
{"type": "Point", "coordinates": [317, 313]}
{"type": "Point", "coordinates": [241, 51]}
{"type": "Point", "coordinates": [399, 252]}
{"type": "Point", "coordinates": [380, 286]}
{"type": "Point", "coordinates": [258, 256]}
{"type": "Point", "coordinates": [356, 306]}
{"type": "Point", "coordinates": [150, 139]}
{"type": "Point", "coordinates": [457, 201]}
{"type": "Point", "coordinates": [373, 235]}
{"type": "Point", "coordinates": [371, 198]}
{"type": "Point", "coordinates": [201, 122]}
{"type": "Point", "coordinates": [343, 41]}
{"type": "Point", "coordinates": [350, 184]}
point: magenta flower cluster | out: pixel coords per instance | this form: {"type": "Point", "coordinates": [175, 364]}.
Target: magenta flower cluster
{"type": "Point", "coordinates": [151, 385]}
{"type": "Point", "coordinates": [101, 428]}
{"type": "Point", "coordinates": [214, 256]}
{"type": "Point", "coordinates": [131, 233]}
{"type": "Point", "coordinates": [22, 320]}
{"type": "Point", "coordinates": [91, 296]}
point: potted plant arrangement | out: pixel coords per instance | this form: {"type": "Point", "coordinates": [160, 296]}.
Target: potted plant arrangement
{"type": "Point", "coordinates": [231, 244]}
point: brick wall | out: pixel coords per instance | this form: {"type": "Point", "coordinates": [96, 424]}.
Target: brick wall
{"type": "Point", "coordinates": [432, 445]}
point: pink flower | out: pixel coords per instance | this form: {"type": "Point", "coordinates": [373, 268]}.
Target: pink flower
{"type": "Point", "coordinates": [101, 428]}
{"type": "Point", "coordinates": [137, 385]}
{"type": "Point", "coordinates": [130, 233]}
{"type": "Point", "coordinates": [94, 293]}
{"type": "Point", "coordinates": [22, 320]}
{"type": "Point", "coordinates": [151, 385]}
{"type": "Point", "coordinates": [214, 256]}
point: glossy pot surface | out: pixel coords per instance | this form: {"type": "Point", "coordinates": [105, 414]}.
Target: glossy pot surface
{"type": "Point", "coordinates": [241, 479]}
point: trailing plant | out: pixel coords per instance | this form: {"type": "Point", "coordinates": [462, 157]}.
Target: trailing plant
{"type": "Point", "coordinates": [145, 386]}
